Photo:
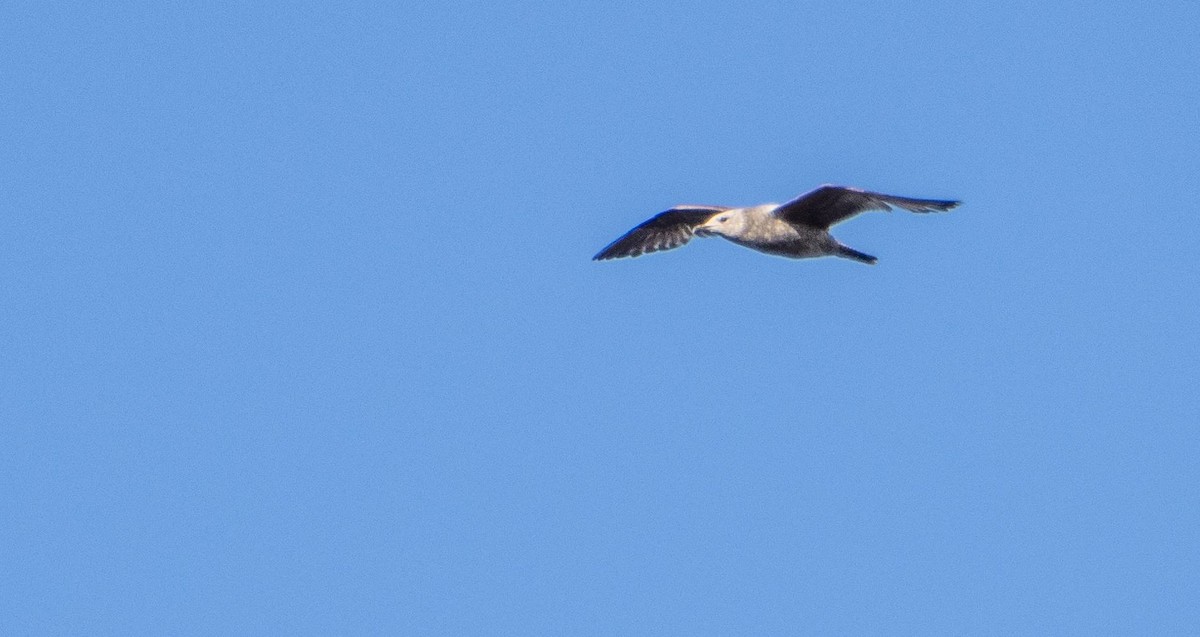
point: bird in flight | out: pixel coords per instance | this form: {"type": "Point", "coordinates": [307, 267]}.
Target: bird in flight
{"type": "Point", "coordinates": [798, 229]}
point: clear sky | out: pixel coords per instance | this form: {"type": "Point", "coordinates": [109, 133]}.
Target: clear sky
{"type": "Point", "coordinates": [301, 334]}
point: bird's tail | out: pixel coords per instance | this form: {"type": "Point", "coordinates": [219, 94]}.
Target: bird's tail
{"type": "Point", "coordinates": [851, 253]}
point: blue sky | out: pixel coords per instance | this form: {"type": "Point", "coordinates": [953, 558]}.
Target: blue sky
{"type": "Point", "coordinates": [301, 334]}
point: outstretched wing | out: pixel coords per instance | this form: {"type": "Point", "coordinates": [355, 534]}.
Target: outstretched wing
{"type": "Point", "coordinates": [827, 205]}
{"type": "Point", "coordinates": [663, 231]}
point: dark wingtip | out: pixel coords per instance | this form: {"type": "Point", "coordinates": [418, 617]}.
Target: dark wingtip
{"type": "Point", "coordinates": [607, 254]}
{"type": "Point", "coordinates": [847, 252]}
{"type": "Point", "coordinates": [930, 205]}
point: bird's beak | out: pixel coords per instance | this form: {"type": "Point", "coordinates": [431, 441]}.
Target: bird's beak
{"type": "Point", "coordinates": [702, 230]}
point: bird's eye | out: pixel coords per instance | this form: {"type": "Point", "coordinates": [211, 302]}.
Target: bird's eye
{"type": "Point", "coordinates": [722, 219]}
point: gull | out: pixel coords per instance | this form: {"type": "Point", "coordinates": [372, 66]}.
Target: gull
{"type": "Point", "coordinates": [798, 229]}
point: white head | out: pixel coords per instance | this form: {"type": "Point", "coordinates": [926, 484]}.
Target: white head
{"type": "Point", "coordinates": [730, 223]}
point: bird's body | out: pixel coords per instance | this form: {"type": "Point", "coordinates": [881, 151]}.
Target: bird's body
{"type": "Point", "coordinates": [798, 229]}
{"type": "Point", "coordinates": [769, 234]}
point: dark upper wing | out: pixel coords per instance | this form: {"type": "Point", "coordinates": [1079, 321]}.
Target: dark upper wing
{"type": "Point", "coordinates": [663, 231]}
{"type": "Point", "coordinates": [828, 205]}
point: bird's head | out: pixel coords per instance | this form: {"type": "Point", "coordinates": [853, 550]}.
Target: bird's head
{"type": "Point", "coordinates": [729, 223]}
